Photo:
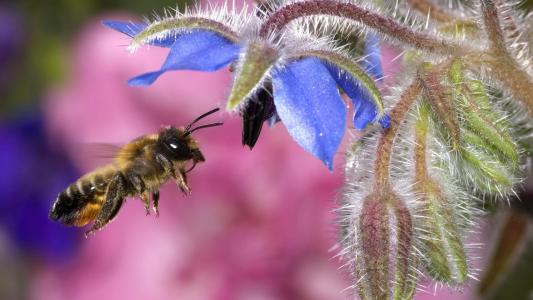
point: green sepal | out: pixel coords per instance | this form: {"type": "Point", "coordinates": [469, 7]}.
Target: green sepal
{"type": "Point", "coordinates": [488, 168]}
{"type": "Point", "coordinates": [445, 257]}
{"type": "Point", "coordinates": [257, 61]}
{"type": "Point", "coordinates": [484, 121]}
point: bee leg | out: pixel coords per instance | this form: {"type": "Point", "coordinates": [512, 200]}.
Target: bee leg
{"type": "Point", "coordinates": [145, 197]}
{"type": "Point", "coordinates": [136, 181]}
{"type": "Point", "coordinates": [181, 181]}
{"type": "Point", "coordinates": [165, 163]}
{"type": "Point", "coordinates": [155, 199]}
{"type": "Point", "coordinates": [115, 194]}
{"type": "Point", "coordinates": [180, 176]}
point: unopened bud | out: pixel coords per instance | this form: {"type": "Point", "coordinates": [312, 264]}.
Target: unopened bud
{"type": "Point", "coordinates": [489, 155]}
{"type": "Point", "coordinates": [386, 248]}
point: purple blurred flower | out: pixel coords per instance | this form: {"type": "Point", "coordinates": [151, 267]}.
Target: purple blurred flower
{"type": "Point", "coordinates": [32, 175]}
{"type": "Point", "coordinates": [12, 36]}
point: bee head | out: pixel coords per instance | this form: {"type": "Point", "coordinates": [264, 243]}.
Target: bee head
{"type": "Point", "coordinates": [178, 144]}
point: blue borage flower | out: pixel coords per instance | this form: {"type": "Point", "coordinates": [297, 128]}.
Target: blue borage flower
{"type": "Point", "coordinates": [304, 71]}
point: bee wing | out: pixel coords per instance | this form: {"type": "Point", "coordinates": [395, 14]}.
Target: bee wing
{"type": "Point", "coordinates": [99, 150]}
{"type": "Point", "coordinates": [102, 150]}
{"type": "Point", "coordinates": [98, 153]}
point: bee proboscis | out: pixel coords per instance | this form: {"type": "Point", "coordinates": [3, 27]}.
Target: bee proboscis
{"type": "Point", "coordinates": [138, 170]}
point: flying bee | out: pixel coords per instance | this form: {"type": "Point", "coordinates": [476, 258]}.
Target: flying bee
{"type": "Point", "coordinates": [139, 168]}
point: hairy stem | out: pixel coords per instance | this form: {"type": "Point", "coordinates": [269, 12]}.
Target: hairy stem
{"type": "Point", "coordinates": [385, 25]}
{"type": "Point", "coordinates": [514, 79]}
{"type": "Point", "coordinates": [504, 67]}
{"type": "Point", "coordinates": [441, 104]}
{"type": "Point", "coordinates": [493, 28]}
{"type": "Point", "coordinates": [397, 115]}
{"type": "Point", "coordinates": [505, 70]}
{"type": "Point", "coordinates": [509, 23]}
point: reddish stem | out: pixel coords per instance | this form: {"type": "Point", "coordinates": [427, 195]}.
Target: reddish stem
{"type": "Point", "coordinates": [382, 24]}
{"type": "Point", "coordinates": [397, 115]}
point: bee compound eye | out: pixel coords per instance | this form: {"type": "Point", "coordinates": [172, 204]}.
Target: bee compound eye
{"type": "Point", "coordinates": [178, 149]}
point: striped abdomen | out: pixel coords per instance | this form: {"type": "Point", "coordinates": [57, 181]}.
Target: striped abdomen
{"type": "Point", "coordinates": [81, 202]}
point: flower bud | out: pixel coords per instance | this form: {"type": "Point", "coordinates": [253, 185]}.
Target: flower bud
{"type": "Point", "coordinates": [385, 262]}
{"type": "Point", "coordinates": [489, 155]}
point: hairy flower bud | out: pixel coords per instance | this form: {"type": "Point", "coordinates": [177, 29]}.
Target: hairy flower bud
{"type": "Point", "coordinates": [385, 245]}
{"type": "Point", "coordinates": [489, 155]}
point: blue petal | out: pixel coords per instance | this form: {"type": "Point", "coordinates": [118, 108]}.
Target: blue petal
{"type": "Point", "coordinates": [198, 50]}
{"type": "Point", "coordinates": [132, 29]}
{"type": "Point", "coordinates": [309, 104]}
{"type": "Point", "coordinates": [372, 61]}
{"type": "Point", "coordinates": [365, 111]}
{"type": "Point", "coordinates": [385, 121]}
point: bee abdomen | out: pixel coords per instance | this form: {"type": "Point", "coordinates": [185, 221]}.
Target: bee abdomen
{"type": "Point", "coordinates": [81, 201]}
{"type": "Point", "coordinates": [99, 183]}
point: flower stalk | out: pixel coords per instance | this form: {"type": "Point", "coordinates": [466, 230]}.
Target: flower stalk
{"type": "Point", "coordinates": [503, 66]}
{"type": "Point", "coordinates": [387, 26]}
{"type": "Point", "coordinates": [437, 97]}
{"type": "Point", "coordinates": [386, 141]}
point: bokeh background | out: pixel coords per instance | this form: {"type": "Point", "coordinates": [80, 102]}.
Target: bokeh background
{"type": "Point", "coordinates": [259, 224]}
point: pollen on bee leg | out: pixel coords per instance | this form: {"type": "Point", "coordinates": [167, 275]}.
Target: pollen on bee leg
{"type": "Point", "coordinates": [155, 199]}
{"type": "Point", "coordinates": [89, 212]}
{"type": "Point", "coordinates": [145, 197]}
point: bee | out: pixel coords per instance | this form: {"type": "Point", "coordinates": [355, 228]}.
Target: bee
{"type": "Point", "coordinates": [139, 169]}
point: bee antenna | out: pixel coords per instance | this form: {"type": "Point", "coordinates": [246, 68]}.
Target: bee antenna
{"type": "Point", "coordinates": [189, 131]}
{"type": "Point", "coordinates": [199, 118]}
